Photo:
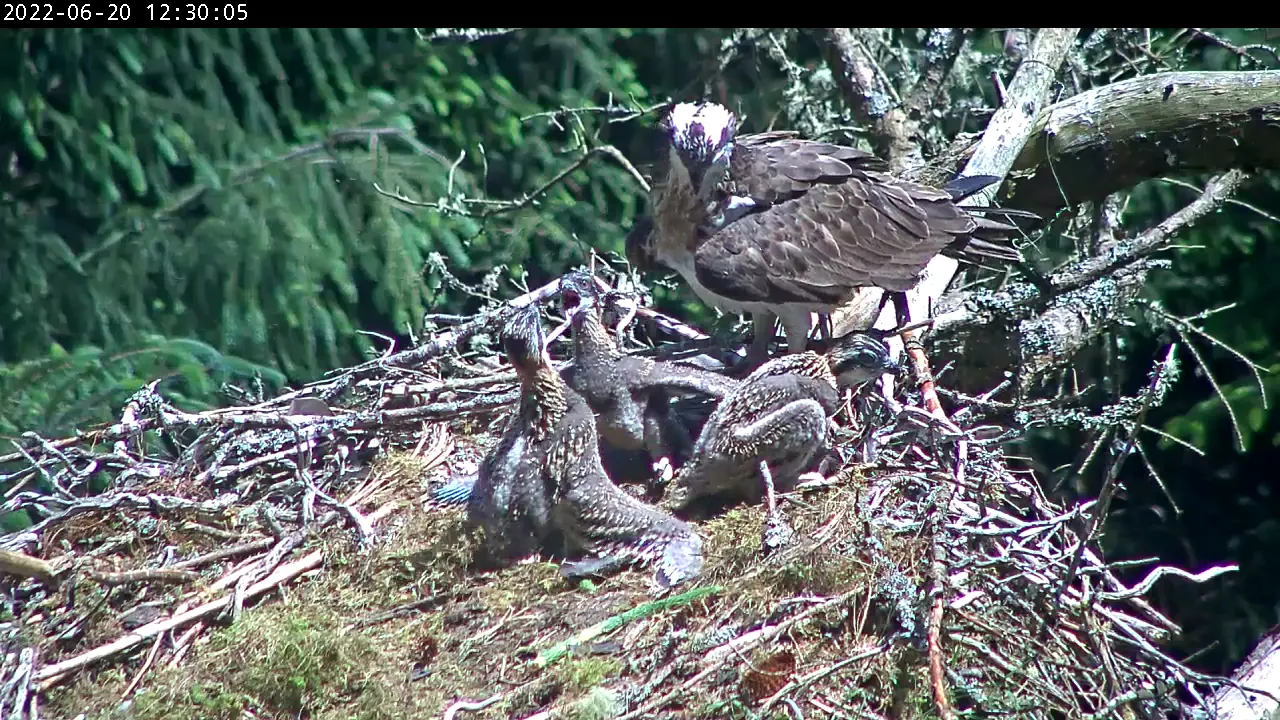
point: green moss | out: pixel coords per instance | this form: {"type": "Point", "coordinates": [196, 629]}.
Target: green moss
{"type": "Point", "coordinates": [599, 704]}
{"type": "Point", "coordinates": [277, 662]}
{"type": "Point", "coordinates": [579, 675]}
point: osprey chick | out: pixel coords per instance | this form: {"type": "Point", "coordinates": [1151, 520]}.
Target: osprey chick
{"type": "Point", "coordinates": [761, 438]}
{"type": "Point", "coordinates": [542, 487]}
{"type": "Point", "coordinates": [780, 227]}
{"type": "Point", "coordinates": [629, 393]}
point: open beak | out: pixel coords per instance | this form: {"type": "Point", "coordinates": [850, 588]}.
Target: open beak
{"type": "Point", "coordinates": [573, 304]}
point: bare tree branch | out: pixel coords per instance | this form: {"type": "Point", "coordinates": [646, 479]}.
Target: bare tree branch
{"type": "Point", "coordinates": [1115, 255]}
{"type": "Point", "coordinates": [1007, 132]}
{"type": "Point", "coordinates": [1114, 137]}
{"type": "Point", "coordinates": [461, 35]}
{"type": "Point", "coordinates": [1096, 293]}
{"type": "Point", "coordinates": [1076, 318]}
{"type": "Point", "coordinates": [895, 123]}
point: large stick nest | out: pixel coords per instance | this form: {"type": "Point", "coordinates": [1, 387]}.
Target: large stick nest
{"type": "Point", "coordinates": [283, 558]}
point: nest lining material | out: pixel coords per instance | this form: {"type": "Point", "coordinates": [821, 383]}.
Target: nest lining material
{"type": "Point", "coordinates": [933, 580]}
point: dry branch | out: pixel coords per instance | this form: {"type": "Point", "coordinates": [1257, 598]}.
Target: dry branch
{"type": "Point", "coordinates": [1100, 290]}
{"type": "Point", "coordinates": [1114, 137]}
{"type": "Point", "coordinates": [282, 575]}
{"type": "Point", "coordinates": [1254, 693]}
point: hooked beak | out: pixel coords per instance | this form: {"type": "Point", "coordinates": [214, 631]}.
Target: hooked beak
{"type": "Point", "coordinates": [697, 173]}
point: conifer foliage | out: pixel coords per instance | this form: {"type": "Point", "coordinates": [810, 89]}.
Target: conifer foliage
{"type": "Point", "coordinates": [223, 184]}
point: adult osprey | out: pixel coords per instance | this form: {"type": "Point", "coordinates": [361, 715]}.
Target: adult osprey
{"type": "Point", "coordinates": [776, 226]}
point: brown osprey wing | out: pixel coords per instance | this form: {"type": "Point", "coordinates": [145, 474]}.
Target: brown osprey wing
{"type": "Point", "coordinates": [772, 167]}
{"type": "Point", "coordinates": [868, 230]}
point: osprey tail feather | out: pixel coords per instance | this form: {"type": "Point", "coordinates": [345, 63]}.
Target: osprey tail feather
{"type": "Point", "coordinates": [990, 240]}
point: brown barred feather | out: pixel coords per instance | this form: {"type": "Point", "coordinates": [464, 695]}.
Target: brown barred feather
{"type": "Point", "coordinates": [833, 223]}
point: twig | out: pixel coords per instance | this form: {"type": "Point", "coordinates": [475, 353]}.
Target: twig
{"type": "Point", "coordinates": [1113, 257]}
{"type": "Point", "coordinates": [223, 554]}
{"type": "Point", "coordinates": [142, 671]}
{"type": "Point", "coordinates": [1108, 485]}
{"type": "Point", "coordinates": [282, 575]}
{"type": "Point", "coordinates": [471, 706]}
{"type": "Point", "coordinates": [1150, 580]}
{"type": "Point", "coordinates": [157, 575]}
{"type": "Point", "coordinates": [405, 609]}
{"type": "Point", "coordinates": [497, 207]}
{"type": "Point", "coordinates": [447, 341]}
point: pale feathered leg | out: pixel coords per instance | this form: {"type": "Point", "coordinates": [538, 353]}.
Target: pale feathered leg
{"type": "Point", "coordinates": [796, 324]}
{"type": "Point", "coordinates": [762, 334]}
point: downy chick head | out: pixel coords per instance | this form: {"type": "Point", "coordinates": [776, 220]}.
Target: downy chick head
{"type": "Point", "coordinates": [616, 305]}
{"type": "Point", "coordinates": [859, 357]}
{"type": "Point", "coordinates": [578, 294]}
{"type": "Point", "coordinates": [618, 309]}
{"type": "Point", "coordinates": [523, 340]}
{"type": "Point", "coordinates": [701, 137]}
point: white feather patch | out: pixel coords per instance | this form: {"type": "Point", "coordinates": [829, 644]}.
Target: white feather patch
{"type": "Point", "coordinates": [715, 119]}
{"type": "Point", "coordinates": [682, 116]}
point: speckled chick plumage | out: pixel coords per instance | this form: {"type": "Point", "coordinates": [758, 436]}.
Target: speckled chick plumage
{"type": "Point", "coordinates": [780, 416]}
{"type": "Point", "coordinates": [629, 393]}
{"type": "Point", "coordinates": [543, 486]}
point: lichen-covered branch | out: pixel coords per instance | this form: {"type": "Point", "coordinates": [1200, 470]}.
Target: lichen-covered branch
{"type": "Point", "coordinates": [894, 121]}
{"type": "Point", "coordinates": [1114, 137]}
{"type": "Point", "coordinates": [1114, 254]}
{"type": "Point", "coordinates": [1078, 303]}
{"type": "Point", "coordinates": [1103, 288]}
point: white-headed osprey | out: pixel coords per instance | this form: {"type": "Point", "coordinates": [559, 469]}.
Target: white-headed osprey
{"type": "Point", "coordinates": [777, 226]}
